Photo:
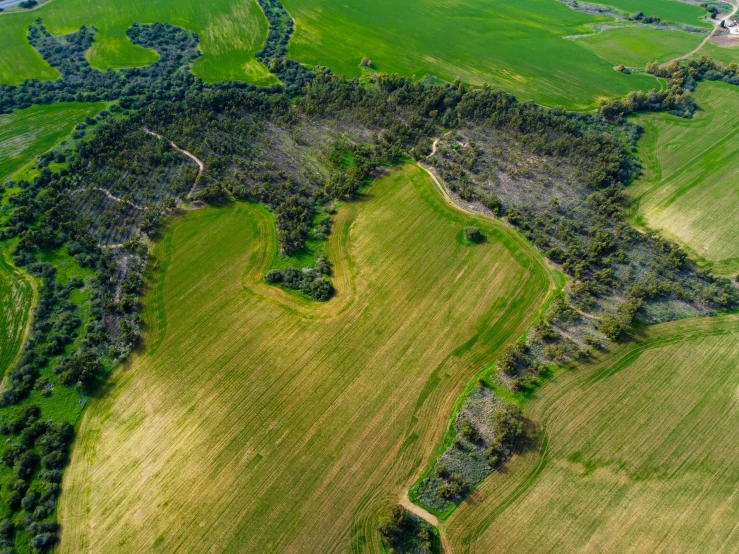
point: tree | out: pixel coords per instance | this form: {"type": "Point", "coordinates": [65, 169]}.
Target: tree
{"type": "Point", "coordinates": [473, 234]}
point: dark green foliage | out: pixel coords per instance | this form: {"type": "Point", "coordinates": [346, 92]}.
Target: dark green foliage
{"type": "Point", "coordinates": [274, 52]}
{"type": "Point", "coordinates": [165, 78]}
{"type": "Point", "coordinates": [473, 234]}
{"type": "Point", "coordinates": [405, 533]}
{"type": "Point", "coordinates": [308, 281]}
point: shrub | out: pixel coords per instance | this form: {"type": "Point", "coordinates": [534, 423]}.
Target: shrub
{"type": "Point", "coordinates": [473, 234]}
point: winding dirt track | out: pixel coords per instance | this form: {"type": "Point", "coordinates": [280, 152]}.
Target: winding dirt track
{"type": "Point", "coordinates": [201, 165]}
{"type": "Point", "coordinates": [716, 27]}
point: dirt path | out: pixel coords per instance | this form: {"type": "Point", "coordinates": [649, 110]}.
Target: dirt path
{"type": "Point", "coordinates": [107, 193]}
{"type": "Point", "coordinates": [201, 165]}
{"type": "Point", "coordinates": [443, 191]}
{"type": "Point", "coordinates": [716, 27]}
{"type": "Point", "coordinates": [423, 514]}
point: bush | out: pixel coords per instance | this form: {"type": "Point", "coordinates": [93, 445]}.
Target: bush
{"type": "Point", "coordinates": [473, 234]}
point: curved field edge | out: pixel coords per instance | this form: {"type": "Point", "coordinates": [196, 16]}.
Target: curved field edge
{"type": "Point", "coordinates": [230, 34]}
{"type": "Point", "coordinates": [254, 421]}
{"type": "Point", "coordinates": [689, 187]}
{"type": "Point", "coordinates": [523, 52]}
{"type": "Point", "coordinates": [611, 475]}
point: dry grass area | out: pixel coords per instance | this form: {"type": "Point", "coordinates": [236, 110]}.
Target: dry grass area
{"type": "Point", "coordinates": [636, 452]}
{"type": "Point", "coordinates": [255, 421]}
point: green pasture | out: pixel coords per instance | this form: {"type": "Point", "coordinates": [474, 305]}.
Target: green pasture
{"type": "Point", "coordinates": [721, 53]}
{"type": "Point", "coordinates": [633, 451]}
{"type": "Point", "coordinates": [27, 133]}
{"type": "Point", "coordinates": [674, 11]}
{"type": "Point", "coordinates": [253, 420]}
{"type": "Point", "coordinates": [521, 50]}
{"type": "Point", "coordinates": [690, 187]}
{"type": "Point", "coordinates": [230, 31]}
{"type": "Point", "coordinates": [637, 46]}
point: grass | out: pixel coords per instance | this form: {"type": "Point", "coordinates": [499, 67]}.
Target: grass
{"type": "Point", "coordinates": [230, 33]}
{"type": "Point", "coordinates": [256, 421]}
{"type": "Point", "coordinates": [637, 46]}
{"type": "Point", "coordinates": [636, 452]}
{"type": "Point", "coordinates": [674, 11]}
{"type": "Point", "coordinates": [690, 188]}
{"type": "Point", "coordinates": [521, 50]}
{"type": "Point", "coordinates": [16, 296]}
{"type": "Point", "coordinates": [27, 133]}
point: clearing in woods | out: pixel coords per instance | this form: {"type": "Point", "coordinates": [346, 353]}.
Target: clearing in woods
{"type": "Point", "coordinates": [230, 33]}
{"type": "Point", "coordinates": [636, 452]}
{"type": "Point", "coordinates": [256, 421]}
{"type": "Point", "coordinates": [690, 188]}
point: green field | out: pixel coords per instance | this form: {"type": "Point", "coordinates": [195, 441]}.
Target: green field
{"type": "Point", "coordinates": [27, 133]}
{"type": "Point", "coordinates": [690, 188]}
{"type": "Point", "coordinates": [267, 423]}
{"type": "Point", "coordinates": [230, 32]}
{"type": "Point", "coordinates": [721, 53]}
{"type": "Point", "coordinates": [522, 51]}
{"type": "Point", "coordinates": [16, 295]}
{"type": "Point", "coordinates": [636, 453]}
{"type": "Point", "coordinates": [675, 11]}
{"type": "Point", "coordinates": [637, 46]}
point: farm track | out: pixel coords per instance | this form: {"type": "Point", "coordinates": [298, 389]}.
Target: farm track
{"type": "Point", "coordinates": [716, 27]}
{"type": "Point", "coordinates": [328, 430]}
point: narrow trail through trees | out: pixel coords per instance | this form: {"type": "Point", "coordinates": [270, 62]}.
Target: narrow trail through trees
{"type": "Point", "coordinates": [201, 165]}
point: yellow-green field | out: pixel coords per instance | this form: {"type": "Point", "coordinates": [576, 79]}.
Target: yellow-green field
{"type": "Point", "coordinates": [637, 452]}
{"type": "Point", "coordinates": [16, 294]}
{"type": "Point", "coordinates": [690, 188]}
{"type": "Point", "coordinates": [255, 421]}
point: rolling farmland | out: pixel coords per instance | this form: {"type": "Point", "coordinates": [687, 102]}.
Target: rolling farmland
{"type": "Point", "coordinates": [265, 422]}
{"type": "Point", "coordinates": [522, 51]}
{"type": "Point", "coordinates": [690, 188]}
{"type": "Point", "coordinates": [637, 452]}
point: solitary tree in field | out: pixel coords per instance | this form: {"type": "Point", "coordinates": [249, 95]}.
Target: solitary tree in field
{"type": "Point", "coordinates": [366, 62]}
{"type": "Point", "coordinates": [473, 234]}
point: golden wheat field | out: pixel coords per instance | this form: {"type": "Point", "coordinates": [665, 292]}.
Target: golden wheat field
{"type": "Point", "coordinates": [255, 421]}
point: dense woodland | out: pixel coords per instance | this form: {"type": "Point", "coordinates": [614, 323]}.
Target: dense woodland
{"type": "Point", "coordinates": [296, 148]}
